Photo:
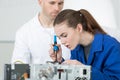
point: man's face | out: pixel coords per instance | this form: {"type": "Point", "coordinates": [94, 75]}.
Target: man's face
{"type": "Point", "coordinates": [50, 8]}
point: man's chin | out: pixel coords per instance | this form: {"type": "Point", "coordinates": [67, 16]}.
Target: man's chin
{"type": "Point", "coordinates": [53, 18]}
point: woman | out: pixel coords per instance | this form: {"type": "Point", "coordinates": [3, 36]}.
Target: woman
{"type": "Point", "coordinates": [89, 44]}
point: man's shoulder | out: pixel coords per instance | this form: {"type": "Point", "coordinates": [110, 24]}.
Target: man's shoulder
{"type": "Point", "coordinates": [29, 24]}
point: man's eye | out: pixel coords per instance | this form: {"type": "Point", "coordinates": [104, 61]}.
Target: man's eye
{"type": "Point", "coordinates": [61, 3]}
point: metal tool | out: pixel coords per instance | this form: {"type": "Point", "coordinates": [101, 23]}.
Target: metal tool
{"type": "Point", "coordinates": [55, 47]}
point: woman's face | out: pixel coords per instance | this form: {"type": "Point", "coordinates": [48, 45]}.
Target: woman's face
{"type": "Point", "coordinates": [67, 35]}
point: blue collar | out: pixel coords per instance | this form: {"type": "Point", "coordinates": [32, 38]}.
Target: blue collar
{"type": "Point", "coordinates": [97, 42]}
{"type": "Point", "coordinates": [96, 45]}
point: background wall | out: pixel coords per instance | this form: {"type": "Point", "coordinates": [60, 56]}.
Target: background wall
{"type": "Point", "coordinates": [116, 6]}
{"type": "Point", "coordinates": [15, 13]}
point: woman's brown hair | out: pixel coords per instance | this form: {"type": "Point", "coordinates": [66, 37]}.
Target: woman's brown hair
{"type": "Point", "coordinates": [82, 16]}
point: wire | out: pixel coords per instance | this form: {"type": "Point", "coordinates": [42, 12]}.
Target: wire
{"type": "Point", "coordinates": [18, 61]}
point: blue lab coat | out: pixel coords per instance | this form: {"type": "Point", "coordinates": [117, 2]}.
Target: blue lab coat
{"type": "Point", "coordinates": [104, 57]}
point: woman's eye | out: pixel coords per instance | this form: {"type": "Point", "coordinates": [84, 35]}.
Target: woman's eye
{"type": "Point", "coordinates": [64, 35]}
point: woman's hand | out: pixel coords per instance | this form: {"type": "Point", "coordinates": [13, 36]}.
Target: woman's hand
{"type": "Point", "coordinates": [72, 62]}
{"type": "Point", "coordinates": [53, 55]}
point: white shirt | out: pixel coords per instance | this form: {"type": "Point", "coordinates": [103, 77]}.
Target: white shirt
{"type": "Point", "coordinates": [32, 43]}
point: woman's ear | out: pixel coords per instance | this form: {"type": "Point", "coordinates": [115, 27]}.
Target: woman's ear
{"type": "Point", "coordinates": [79, 27]}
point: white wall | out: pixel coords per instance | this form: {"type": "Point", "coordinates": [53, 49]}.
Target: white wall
{"type": "Point", "coordinates": [116, 5]}
{"type": "Point", "coordinates": [5, 55]}
{"type": "Point", "coordinates": [102, 10]}
{"type": "Point", "coordinates": [14, 13]}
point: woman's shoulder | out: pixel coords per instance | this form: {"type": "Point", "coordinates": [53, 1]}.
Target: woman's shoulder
{"type": "Point", "coordinates": [110, 41]}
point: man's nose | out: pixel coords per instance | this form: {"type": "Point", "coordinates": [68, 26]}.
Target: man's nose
{"type": "Point", "coordinates": [57, 7]}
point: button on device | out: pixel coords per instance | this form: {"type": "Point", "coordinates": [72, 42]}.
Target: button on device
{"type": "Point", "coordinates": [84, 71]}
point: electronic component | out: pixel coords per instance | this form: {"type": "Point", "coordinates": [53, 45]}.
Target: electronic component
{"type": "Point", "coordinates": [60, 72]}
{"type": "Point", "coordinates": [16, 71]}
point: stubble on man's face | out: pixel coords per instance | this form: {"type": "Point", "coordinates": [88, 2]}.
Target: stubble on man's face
{"type": "Point", "coordinates": [51, 8]}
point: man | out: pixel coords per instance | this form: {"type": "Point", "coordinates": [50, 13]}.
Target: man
{"type": "Point", "coordinates": [33, 40]}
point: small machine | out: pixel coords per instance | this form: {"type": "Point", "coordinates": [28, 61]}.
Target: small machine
{"type": "Point", "coordinates": [46, 72]}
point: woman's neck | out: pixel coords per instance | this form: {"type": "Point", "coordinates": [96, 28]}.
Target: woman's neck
{"type": "Point", "coordinates": [45, 21]}
{"type": "Point", "coordinates": [87, 39]}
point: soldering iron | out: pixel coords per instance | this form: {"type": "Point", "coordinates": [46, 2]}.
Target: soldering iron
{"type": "Point", "coordinates": [55, 47]}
